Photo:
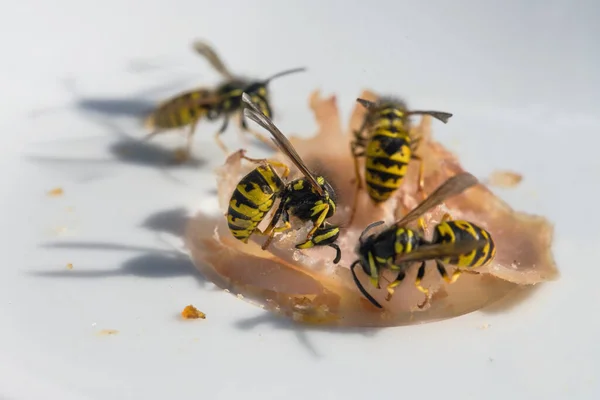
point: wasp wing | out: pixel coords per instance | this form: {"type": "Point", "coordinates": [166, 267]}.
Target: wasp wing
{"type": "Point", "coordinates": [204, 49]}
{"type": "Point", "coordinates": [452, 187]}
{"type": "Point", "coordinates": [254, 113]}
{"type": "Point", "coordinates": [440, 250]}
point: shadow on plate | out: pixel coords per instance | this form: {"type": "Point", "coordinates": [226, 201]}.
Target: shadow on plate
{"type": "Point", "coordinates": [136, 105]}
{"type": "Point", "coordinates": [150, 265]}
{"type": "Point", "coordinates": [153, 263]}
{"type": "Point", "coordinates": [127, 149]}
{"type": "Point", "coordinates": [300, 331]}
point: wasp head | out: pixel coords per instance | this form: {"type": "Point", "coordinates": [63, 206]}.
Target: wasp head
{"type": "Point", "coordinates": [259, 94]}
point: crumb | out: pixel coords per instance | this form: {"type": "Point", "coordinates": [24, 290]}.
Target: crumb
{"type": "Point", "coordinates": [484, 326]}
{"type": "Point", "coordinates": [56, 192]}
{"type": "Point", "coordinates": [69, 266]}
{"type": "Point", "coordinates": [108, 332]}
{"type": "Point", "coordinates": [505, 179]}
{"type": "Point", "coordinates": [70, 209]}
{"type": "Point", "coordinates": [191, 312]}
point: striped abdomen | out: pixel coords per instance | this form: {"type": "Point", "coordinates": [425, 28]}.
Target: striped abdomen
{"type": "Point", "coordinates": [458, 231]}
{"type": "Point", "coordinates": [387, 157]}
{"type": "Point", "coordinates": [252, 198]}
{"type": "Point", "coordinates": [180, 110]}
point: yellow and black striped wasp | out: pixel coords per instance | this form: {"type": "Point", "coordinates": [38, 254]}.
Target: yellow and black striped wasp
{"type": "Point", "coordinates": [188, 108]}
{"type": "Point", "coordinates": [310, 198]}
{"type": "Point", "coordinates": [459, 243]}
{"type": "Point", "coordinates": [384, 140]}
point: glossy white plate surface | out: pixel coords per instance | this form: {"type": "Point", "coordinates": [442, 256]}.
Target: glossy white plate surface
{"type": "Point", "coordinates": [520, 77]}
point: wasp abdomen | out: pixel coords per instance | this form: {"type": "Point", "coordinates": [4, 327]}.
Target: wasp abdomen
{"type": "Point", "coordinates": [252, 198]}
{"type": "Point", "coordinates": [460, 231]}
{"type": "Point", "coordinates": [387, 156]}
{"type": "Point", "coordinates": [179, 111]}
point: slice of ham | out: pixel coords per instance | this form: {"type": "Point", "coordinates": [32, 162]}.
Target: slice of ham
{"type": "Point", "coordinates": [306, 286]}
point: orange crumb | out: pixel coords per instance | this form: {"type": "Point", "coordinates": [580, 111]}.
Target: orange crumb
{"type": "Point", "coordinates": [108, 332]}
{"type": "Point", "coordinates": [191, 312]}
{"type": "Point", "coordinates": [56, 192]}
{"type": "Point", "coordinates": [69, 266]}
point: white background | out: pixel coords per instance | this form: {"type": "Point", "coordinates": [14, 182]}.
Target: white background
{"type": "Point", "coordinates": [521, 78]}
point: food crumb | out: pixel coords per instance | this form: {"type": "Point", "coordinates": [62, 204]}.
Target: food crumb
{"type": "Point", "coordinates": [69, 266]}
{"type": "Point", "coordinates": [108, 332]}
{"type": "Point", "coordinates": [56, 192]}
{"type": "Point", "coordinates": [505, 179]}
{"type": "Point", "coordinates": [191, 312]}
{"type": "Point", "coordinates": [484, 326]}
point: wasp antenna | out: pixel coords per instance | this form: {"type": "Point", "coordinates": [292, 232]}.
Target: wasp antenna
{"type": "Point", "coordinates": [439, 115]}
{"type": "Point", "coordinates": [361, 287]}
{"type": "Point", "coordinates": [365, 103]}
{"type": "Point", "coordinates": [283, 73]}
{"type": "Point", "coordinates": [367, 229]}
{"type": "Point", "coordinates": [338, 252]}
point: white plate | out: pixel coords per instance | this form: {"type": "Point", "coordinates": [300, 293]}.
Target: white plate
{"type": "Point", "coordinates": [520, 77]}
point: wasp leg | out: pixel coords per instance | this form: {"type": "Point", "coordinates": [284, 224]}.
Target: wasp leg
{"type": "Point", "coordinates": [286, 169]}
{"type": "Point", "coordinates": [323, 209]}
{"type": "Point", "coordinates": [220, 132]}
{"type": "Point", "coordinates": [152, 134]}
{"type": "Point", "coordinates": [447, 217]}
{"type": "Point", "coordinates": [244, 127]}
{"type": "Point", "coordinates": [392, 286]}
{"type": "Point", "coordinates": [420, 177]}
{"type": "Point", "coordinates": [183, 154]}
{"type": "Point", "coordinates": [442, 270]}
{"type": "Point", "coordinates": [282, 214]}
{"type": "Point", "coordinates": [357, 151]}
{"type": "Point", "coordinates": [420, 275]}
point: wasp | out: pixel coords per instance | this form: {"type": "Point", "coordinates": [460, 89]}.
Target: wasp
{"type": "Point", "coordinates": [222, 102]}
{"type": "Point", "coordinates": [310, 198]}
{"type": "Point", "coordinates": [459, 243]}
{"type": "Point", "coordinates": [384, 140]}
